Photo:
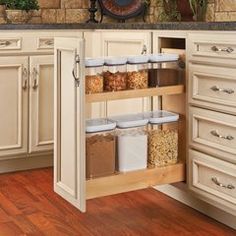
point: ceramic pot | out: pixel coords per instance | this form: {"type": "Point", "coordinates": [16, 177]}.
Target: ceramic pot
{"type": "Point", "coordinates": [18, 16]}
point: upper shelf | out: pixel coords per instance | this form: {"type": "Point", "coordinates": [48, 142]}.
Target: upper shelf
{"type": "Point", "coordinates": [150, 92]}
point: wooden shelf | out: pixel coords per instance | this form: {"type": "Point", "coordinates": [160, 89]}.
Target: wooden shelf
{"type": "Point", "coordinates": [135, 180]}
{"type": "Point", "coordinates": [150, 92]}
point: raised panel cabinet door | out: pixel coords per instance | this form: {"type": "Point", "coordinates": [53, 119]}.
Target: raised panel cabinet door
{"type": "Point", "coordinates": [13, 105]}
{"type": "Point", "coordinates": [120, 44]}
{"type": "Point", "coordinates": [69, 125]}
{"type": "Point", "coordinates": [41, 104]}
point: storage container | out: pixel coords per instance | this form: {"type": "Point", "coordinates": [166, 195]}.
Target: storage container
{"type": "Point", "coordinates": [132, 142]}
{"type": "Point", "coordinates": [94, 76]}
{"type": "Point", "coordinates": [115, 76]}
{"type": "Point", "coordinates": [137, 77]}
{"type": "Point", "coordinates": [100, 148]}
{"type": "Point", "coordinates": [162, 139]}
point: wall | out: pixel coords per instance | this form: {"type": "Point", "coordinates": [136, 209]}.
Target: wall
{"type": "Point", "coordinates": [71, 11]}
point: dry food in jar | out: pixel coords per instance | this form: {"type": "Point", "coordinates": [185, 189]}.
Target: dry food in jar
{"type": "Point", "coordinates": [115, 81]}
{"type": "Point", "coordinates": [162, 147]}
{"type": "Point", "coordinates": [137, 79]}
{"type": "Point", "coordinates": [93, 84]}
{"type": "Point", "coordinates": [100, 155]}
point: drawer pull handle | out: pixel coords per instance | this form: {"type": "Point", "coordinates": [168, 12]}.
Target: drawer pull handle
{"type": "Point", "coordinates": [227, 186]}
{"type": "Point", "coordinates": [25, 78]}
{"type": "Point", "coordinates": [144, 50]}
{"type": "Point", "coordinates": [216, 49]}
{"type": "Point", "coordinates": [216, 134]}
{"type": "Point", "coordinates": [5, 43]}
{"type": "Point", "coordinates": [35, 79]}
{"type": "Point", "coordinates": [217, 89]}
{"type": "Point", "coordinates": [74, 71]}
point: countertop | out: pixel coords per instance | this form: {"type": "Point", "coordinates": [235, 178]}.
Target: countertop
{"type": "Point", "coordinates": [221, 26]}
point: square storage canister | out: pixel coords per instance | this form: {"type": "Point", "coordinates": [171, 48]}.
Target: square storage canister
{"type": "Point", "coordinates": [131, 142]}
{"type": "Point", "coordinates": [162, 138]}
{"type": "Point", "coordinates": [100, 148]}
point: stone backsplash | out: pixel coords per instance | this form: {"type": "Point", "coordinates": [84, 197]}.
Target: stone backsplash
{"type": "Point", "coordinates": [75, 11]}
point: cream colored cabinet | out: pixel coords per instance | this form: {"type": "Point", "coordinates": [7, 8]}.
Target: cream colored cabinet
{"type": "Point", "coordinates": [13, 105]}
{"type": "Point", "coordinates": [41, 104]}
{"type": "Point", "coordinates": [118, 43]}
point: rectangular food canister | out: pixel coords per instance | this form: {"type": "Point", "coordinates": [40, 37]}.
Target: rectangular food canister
{"type": "Point", "coordinates": [131, 142]}
{"type": "Point", "coordinates": [162, 138]}
{"type": "Point", "coordinates": [100, 148]}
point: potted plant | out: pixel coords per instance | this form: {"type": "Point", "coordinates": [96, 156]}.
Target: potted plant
{"type": "Point", "coordinates": [170, 12]}
{"type": "Point", "coordinates": [199, 8]}
{"type": "Point", "coordinates": [20, 11]}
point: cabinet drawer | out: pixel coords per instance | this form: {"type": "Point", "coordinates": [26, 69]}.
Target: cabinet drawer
{"type": "Point", "coordinates": [10, 43]}
{"type": "Point", "coordinates": [213, 45]}
{"type": "Point", "coordinates": [213, 132]}
{"type": "Point", "coordinates": [211, 84]}
{"type": "Point", "coordinates": [212, 178]}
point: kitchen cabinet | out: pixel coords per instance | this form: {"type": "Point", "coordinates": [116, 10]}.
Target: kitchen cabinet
{"type": "Point", "coordinates": [14, 105]}
{"type": "Point", "coordinates": [41, 103]}
{"type": "Point", "coordinates": [117, 43]}
{"type": "Point", "coordinates": [69, 149]}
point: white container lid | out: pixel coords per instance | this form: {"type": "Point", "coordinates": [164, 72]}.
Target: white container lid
{"type": "Point", "coordinates": [140, 59]}
{"type": "Point", "coordinates": [115, 61]}
{"type": "Point", "coordinates": [94, 62]}
{"type": "Point", "coordinates": [160, 117]}
{"type": "Point", "coordinates": [99, 125]}
{"type": "Point", "coordinates": [130, 121]}
{"type": "Point", "coordinates": [163, 57]}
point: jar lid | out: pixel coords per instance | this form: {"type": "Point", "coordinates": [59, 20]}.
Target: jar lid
{"type": "Point", "coordinates": [99, 125]}
{"type": "Point", "coordinates": [161, 117]}
{"type": "Point", "coordinates": [130, 121]}
{"type": "Point", "coordinates": [115, 61]}
{"type": "Point", "coordinates": [140, 59]}
{"type": "Point", "coordinates": [163, 57]}
{"type": "Point", "coordinates": [94, 62]}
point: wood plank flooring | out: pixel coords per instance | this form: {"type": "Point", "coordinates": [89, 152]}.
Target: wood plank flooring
{"type": "Point", "coordinates": [28, 206]}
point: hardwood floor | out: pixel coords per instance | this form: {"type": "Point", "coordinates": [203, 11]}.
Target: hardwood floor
{"type": "Point", "coordinates": [28, 206]}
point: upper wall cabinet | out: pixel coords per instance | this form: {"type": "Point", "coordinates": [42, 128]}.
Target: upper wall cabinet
{"type": "Point", "coordinates": [13, 105]}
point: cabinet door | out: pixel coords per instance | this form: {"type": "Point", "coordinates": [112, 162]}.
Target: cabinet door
{"type": "Point", "coordinates": [13, 105]}
{"type": "Point", "coordinates": [69, 129]}
{"type": "Point", "coordinates": [41, 104]}
{"type": "Point", "coordinates": [118, 43]}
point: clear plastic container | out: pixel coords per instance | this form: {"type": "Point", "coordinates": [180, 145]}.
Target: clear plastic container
{"type": "Point", "coordinates": [162, 139]}
{"type": "Point", "coordinates": [137, 77]}
{"type": "Point", "coordinates": [100, 148]}
{"type": "Point", "coordinates": [115, 76]}
{"type": "Point", "coordinates": [94, 76]}
{"type": "Point", "coordinates": [131, 142]}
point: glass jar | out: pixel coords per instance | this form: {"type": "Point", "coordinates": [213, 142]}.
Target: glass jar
{"type": "Point", "coordinates": [100, 148]}
{"type": "Point", "coordinates": [115, 76]}
{"type": "Point", "coordinates": [137, 77]}
{"type": "Point", "coordinates": [94, 78]}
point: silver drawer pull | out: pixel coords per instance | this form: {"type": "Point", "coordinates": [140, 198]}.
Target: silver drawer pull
{"type": "Point", "coordinates": [216, 49]}
{"type": "Point", "coordinates": [217, 89]}
{"type": "Point", "coordinates": [35, 79]}
{"type": "Point", "coordinates": [5, 43]}
{"type": "Point", "coordinates": [25, 78]}
{"type": "Point", "coordinates": [74, 71]}
{"type": "Point", "coordinates": [227, 186]}
{"type": "Point", "coordinates": [216, 134]}
{"type": "Point", "coordinates": [144, 50]}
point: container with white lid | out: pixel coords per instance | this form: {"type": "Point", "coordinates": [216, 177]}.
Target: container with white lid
{"type": "Point", "coordinates": [131, 142]}
{"type": "Point", "coordinates": [100, 148]}
{"type": "Point", "coordinates": [163, 57]}
{"type": "Point", "coordinates": [162, 138]}
{"type": "Point", "coordinates": [115, 75]}
{"type": "Point", "coordinates": [94, 77]}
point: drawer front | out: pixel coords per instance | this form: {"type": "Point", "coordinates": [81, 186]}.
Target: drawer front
{"type": "Point", "coordinates": [10, 44]}
{"type": "Point", "coordinates": [211, 84]}
{"type": "Point", "coordinates": [213, 45]}
{"type": "Point", "coordinates": [213, 130]}
{"type": "Point", "coordinates": [213, 178]}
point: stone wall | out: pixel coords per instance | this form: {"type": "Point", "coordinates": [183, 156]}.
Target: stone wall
{"type": "Point", "coordinates": [74, 11]}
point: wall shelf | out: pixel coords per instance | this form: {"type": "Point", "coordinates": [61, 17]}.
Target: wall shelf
{"type": "Point", "coordinates": [134, 180]}
{"type": "Point", "coordinates": [150, 92]}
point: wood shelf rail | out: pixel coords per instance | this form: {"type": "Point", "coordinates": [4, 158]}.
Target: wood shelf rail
{"type": "Point", "coordinates": [150, 92]}
{"type": "Point", "coordinates": [134, 180]}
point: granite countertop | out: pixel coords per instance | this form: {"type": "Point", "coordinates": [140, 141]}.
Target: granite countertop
{"type": "Point", "coordinates": [225, 26]}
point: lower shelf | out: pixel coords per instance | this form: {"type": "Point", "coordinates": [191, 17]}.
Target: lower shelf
{"type": "Point", "coordinates": [135, 180]}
